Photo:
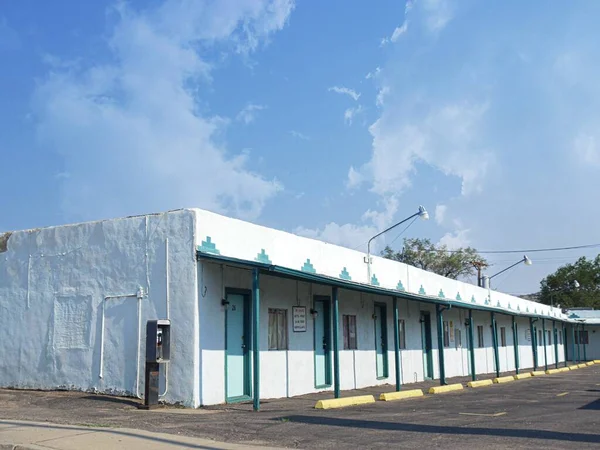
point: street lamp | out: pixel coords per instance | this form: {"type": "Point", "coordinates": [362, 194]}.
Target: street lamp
{"type": "Point", "coordinates": [525, 261]}
{"type": "Point", "coordinates": [422, 213]}
{"type": "Point", "coordinates": [575, 286]}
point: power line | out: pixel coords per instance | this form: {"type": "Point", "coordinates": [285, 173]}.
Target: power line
{"type": "Point", "coordinates": [406, 228]}
{"type": "Point", "coordinates": [535, 250]}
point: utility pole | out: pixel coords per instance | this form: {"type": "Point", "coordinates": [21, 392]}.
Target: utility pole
{"type": "Point", "coordinates": [479, 265]}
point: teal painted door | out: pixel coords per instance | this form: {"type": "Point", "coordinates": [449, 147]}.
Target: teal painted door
{"type": "Point", "coordinates": [426, 345]}
{"type": "Point", "coordinates": [381, 359]}
{"type": "Point", "coordinates": [237, 337]}
{"type": "Point", "coordinates": [322, 344]}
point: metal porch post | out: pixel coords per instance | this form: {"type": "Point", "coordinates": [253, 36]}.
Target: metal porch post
{"type": "Point", "coordinates": [544, 342]}
{"type": "Point", "coordinates": [495, 343]}
{"type": "Point", "coordinates": [396, 343]}
{"type": "Point", "coordinates": [582, 335]}
{"type": "Point", "coordinates": [255, 340]}
{"type": "Point", "coordinates": [533, 343]}
{"type": "Point", "coordinates": [564, 332]}
{"type": "Point", "coordinates": [573, 342]}
{"type": "Point", "coordinates": [578, 344]}
{"type": "Point", "coordinates": [515, 343]}
{"type": "Point", "coordinates": [555, 334]}
{"type": "Point", "coordinates": [472, 346]}
{"type": "Point", "coordinates": [440, 330]}
{"type": "Point", "coordinates": [336, 350]}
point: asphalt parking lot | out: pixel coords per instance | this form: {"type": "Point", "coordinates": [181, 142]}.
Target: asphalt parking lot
{"type": "Point", "coordinates": [551, 411]}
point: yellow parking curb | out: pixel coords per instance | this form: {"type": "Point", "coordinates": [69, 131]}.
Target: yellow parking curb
{"type": "Point", "coordinates": [522, 376]}
{"type": "Point", "coordinates": [537, 373]}
{"type": "Point", "coordinates": [447, 388]}
{"type": "Point", "coordinates": [581, 365]}
{"type": "Point", "coordinates": [551, 371]}
{"type": "Point", "coordinates": [479, 383]}
{"type": "Point", "coordinates": [500, 380]}
{"type": "Point", "coordinates": [573, 367]}
{"type": "Point", "coordinates": [563, 369]}
{"type": "Point", "coordinates": [346, 401]}
{"type": "Point", "coordinates": [597, 361]}
{"type": "Point", "coordinates": [387, 396]}
{"type": "Point", "coordinates": [590, 363]}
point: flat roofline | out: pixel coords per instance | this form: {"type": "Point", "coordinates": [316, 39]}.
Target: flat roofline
{"type": "Point", "coordinates": [284, 272]}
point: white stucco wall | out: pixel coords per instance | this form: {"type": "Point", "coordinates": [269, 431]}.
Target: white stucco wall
{"type": "Point", "coordinates": [53, 283]}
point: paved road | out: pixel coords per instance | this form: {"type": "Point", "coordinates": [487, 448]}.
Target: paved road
{"type": "Point", "coordinates": [553, 411]}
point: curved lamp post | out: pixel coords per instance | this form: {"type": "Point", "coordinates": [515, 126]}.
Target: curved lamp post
{"type": "Point", "coordinates": [422, 213]}
{"type": "Point", "coordinates": [575, 285]}
{"type": "Point", "coordinates": [525, 261]}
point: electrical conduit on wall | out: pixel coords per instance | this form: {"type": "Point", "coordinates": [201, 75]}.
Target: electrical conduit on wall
{"type": "Point", "coordinates": [139, 295]}
{"type": "Point", "coordinates": [168, 301]}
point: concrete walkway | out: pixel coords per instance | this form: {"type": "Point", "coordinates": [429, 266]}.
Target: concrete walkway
{"type": "Point", "coordinates": [20, 435]}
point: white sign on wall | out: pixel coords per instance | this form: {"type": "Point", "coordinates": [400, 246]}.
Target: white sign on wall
{"type": "Point", "coordinates": [299, 315]}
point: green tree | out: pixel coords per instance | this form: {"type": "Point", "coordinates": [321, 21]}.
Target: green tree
{"type": "Point", "coordinates": [422, 253]}
{"type": "Point", "coordinates": [559, 288]}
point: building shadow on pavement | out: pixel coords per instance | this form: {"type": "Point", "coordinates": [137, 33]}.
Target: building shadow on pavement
{"type": "Point", "coordinates": [595, 405]}
{"type": "Point", "coordinates": [107, 399]}
{"type": "Point", "coordinates": [450, 430]}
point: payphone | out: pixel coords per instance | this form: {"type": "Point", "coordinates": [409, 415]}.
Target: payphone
{"type": "Point", "coordinates": [158, 351]}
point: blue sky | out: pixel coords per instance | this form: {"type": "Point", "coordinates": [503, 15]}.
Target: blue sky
{"type": "Point", "coordinates": [328, 119]}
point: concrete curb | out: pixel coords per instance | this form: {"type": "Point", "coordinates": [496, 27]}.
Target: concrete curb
{"type": "Point", "coordinates": [388, 396]}
{"type": "Point", "coordinates": [343, 402]}
{"type": "Point", "coordinates": [501, 380]}
{"type": "Point", "coordinates": [446, 388]}
{"type": "Point", "coordinates": [537, 373]}
{"type": "Point", "coordinates": [522, 376]}
{"type": "Point", "coordinates": [552, 371]}
{"type": "Point", "coordinates": [479, 383]}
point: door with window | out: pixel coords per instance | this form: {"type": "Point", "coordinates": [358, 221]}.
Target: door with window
{"type": "Point", "coordinates": [322, 342]}
{"type": "Point", "coordinates": [426, 345]}
{"type": "Point", "coordinates": [237, 351]}
{"type": "Point", "coordinates": [381, 345]}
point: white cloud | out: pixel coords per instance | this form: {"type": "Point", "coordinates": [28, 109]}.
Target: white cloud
{"type": "Point", "coordinates": [248, 113]}
{"type": "Point", "coordinates": [351, 113]}
{"type": "Point", "coordinates": [398, 31]}
{"type": "Point", "coordinates": [355, 178]}
{"type": "Point", "coordinates": [347, 235]}
{"type": "Point", "coordinates": [299, 135]}
{"type": "Point", "coordinates": [346, 91]}
{"type": "Point", "coordinates": [440, 213]}
{"type": "Point", "coordinates": [438, 13]}
{"type": "Point", "coordinates": [586, 149]}
{"type": "Point", "coordinates": [456, 240]}
{"type": "Point", "coordinates": [381, 94]}
{"type": "Point", "coordinates": [373, 74]}
{"type": "Point", "coordinates": [130, 129]}
{"type": "Point", "coordinates": [447, 138]}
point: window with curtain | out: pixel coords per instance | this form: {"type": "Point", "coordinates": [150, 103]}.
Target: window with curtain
{"type": "Point", "coordinates": [446, 335]}
{"type": "Point", "coordinates": [349, 325]}
{"type": "Point", "coordinates": [278, 330]}
{"type": "Point", "coordinates": [402, 334]}
{"type": "Point", "coordinates": [502, 336]}
{"type": "Point", "coordinates": [480, 336]}
{"type": "Point", "coordinates": [458, 337]}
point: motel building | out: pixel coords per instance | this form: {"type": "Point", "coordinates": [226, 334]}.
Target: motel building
{"type": "Point", "coordinates": [254, 313]}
